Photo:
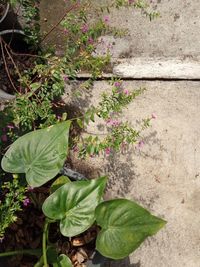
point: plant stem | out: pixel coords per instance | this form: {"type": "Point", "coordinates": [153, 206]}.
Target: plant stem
{"type": "Point", "coordinates": [36, 252]}
{"type": "Point", "coordinates": [44, 242]}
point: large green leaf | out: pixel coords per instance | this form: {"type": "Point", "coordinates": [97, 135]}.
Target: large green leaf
{"type": "Point", "coordinates": [60, 181]}
{"type": "Point", "coordinates": [74, 205]}
{"type": "Point", "coordinates": [63, 261]}
{"type": "Point", "coordinates": [39, 154]}
{"type": "Point", "coordinates": [125, 225]}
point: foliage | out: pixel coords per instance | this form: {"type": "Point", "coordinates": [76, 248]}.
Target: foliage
{"type": "Point", "coordinates": [30, 13]}
{"type": "Point", "coordinates": [120, 134]}
{"type": "Point", "coordinates": [42, 151]}
{"type": "Point", "coordinates": [124, 226]}
{"type": "Point", "coordinates": [39, 154]}
{"type": "Point", "coordinates": [42, 84]}
{"type": "Point", "coordinates": [77, 205]}
{"type": "Point", "coordinates": [14, 196]}
{"type": "Point", "coordinates": [73, 204]}
{"type": "Point", "coordinates": [63, 261]}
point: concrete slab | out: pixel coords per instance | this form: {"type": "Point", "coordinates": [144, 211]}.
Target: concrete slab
{"type": "Point", "coordinates": [174, 34]}
{"type": "Point", "coordinates": [158, 68]}
{"type": "Point", "coordinates": [172, 40]}
{"type": "Point", "coordinates": [163, 176]}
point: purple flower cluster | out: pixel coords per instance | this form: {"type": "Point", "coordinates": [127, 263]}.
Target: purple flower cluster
{"type": "Point", "coordinates": [84, 28]}
{"type": "Point", "coordinates": [4, 137]}
{"type": "Point", "coordinates": [114, 123]}
{"type": "Point", "coordinates": [117, 84]}
{"type": "Point", "coordinates": [26, 201]}
{"type": "Point", "coordinates": [106, 20]}
{"type": "Point", "coordinates": [107, 151]}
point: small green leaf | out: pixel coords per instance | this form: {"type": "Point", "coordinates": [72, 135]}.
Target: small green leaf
{"type": "Point", "coordinates": [125, 225]}
{"type": "Point", "coordinates": [35, 86]}
{"type": "Point", "coordinates": [63, 261]}
{"type": "Point", "coordinates": [74, 205]}
{"type": "Point", "coordinates": [60, 181]}
{"type": "Point", "coordinates": [64, 116]}
{"type": "Point", "coordinates": [39, 154]}
{"type": "Point", "coordinates": [80, 123]}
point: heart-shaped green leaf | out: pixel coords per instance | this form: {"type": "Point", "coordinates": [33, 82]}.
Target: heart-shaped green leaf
{"type": "Point", "coordinates": [125, 225]}
{"type": "Point", "coordinates": [39, 154]}
{"type": "Point", "coordinates": [60, 181]}
{"type": "Point", "coordinates": [63, 261]}
{"type": "Point", "coordinates": [74, 205]}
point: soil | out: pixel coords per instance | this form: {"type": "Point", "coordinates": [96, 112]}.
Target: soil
{"type": "Point", "coordinates": [26, 233]}
{"type": "Point", "coordinates": [2, 8]}
{"type": "Point", "coordinates": [8, 71]}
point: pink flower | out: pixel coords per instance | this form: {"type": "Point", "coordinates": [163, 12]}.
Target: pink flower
{"type": "Point", "coordinates": [26, 201]}
{"type": "Point", "coordinates": [84, 28]}
{"type": "Point", "coordinates": [111, 122]}
{"type": "Point", "coordinates": [140, 144]}
{"type": "Point", "coordinates": [65, 31]}
{"type": "Point", "coordinates": [90, 40]}
{"type": "Point", "coordinates": [107, 151]}
{"type": "Point", "coordinates": [75, 149]}
{"type": "Point", "coordinates": [10, 126]}
{"type": "Point", "coordinates": [4, 138]}
{"type": "Point", "coordinates": [117, 84]}
{"type": "Point", "coordinates": [131, 1]}
{"type": "Point", "coordinates": [106, 19]}
{"type": "Point", "coordinates": [109, 46]}
{"type": "Point", "coordinates": [65, 78]}
{"type": "Point", "coordinates": [126, 91]}
{"type": "Point", "coordinates": [153, 116]}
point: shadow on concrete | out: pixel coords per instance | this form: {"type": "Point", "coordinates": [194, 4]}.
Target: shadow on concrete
{"type": "Point", "coordinates": [121, 263]}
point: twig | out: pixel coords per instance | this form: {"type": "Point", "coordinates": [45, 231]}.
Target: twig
{"type": "Point", "coordinates": [13, 62]}
{"type": "Point", "coordinates": [56, 25]}
{"type": "Point", "coordinates": [19, 74]}
{"type": "Point", "coordinates": [6, 66]}
{"type": "Point", "coordinates": [24, 54]}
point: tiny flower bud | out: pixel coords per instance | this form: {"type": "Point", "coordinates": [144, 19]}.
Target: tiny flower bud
{"type": "Point", "coordinates": [126, 91]}
{"type": "Point", "coordinates": [107, 151]}
{"type": "Point", "coordinates": [140, 144]}
{"type": "Point", "coordinates": [106, 19]}
{"type": "Point", "coordinates": [153, 116]}
{"type": "Point", "coordinates": [4, 138]}
{"type": "Point", "coordinates": [26, 202]}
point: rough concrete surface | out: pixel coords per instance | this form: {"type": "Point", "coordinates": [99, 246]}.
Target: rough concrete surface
{"type": "Point", "coordinates": [174, 34]}
{"type": "Point", "coordinates": [163, 176]}
{"type": "Point", "coordinates": [162, 68]}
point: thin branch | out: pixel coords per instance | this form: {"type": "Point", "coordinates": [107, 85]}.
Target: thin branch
{"type": "Point", "coordinates": [73, 7]}
{"type": "Point", "coordinates": [13, 62]}
{"type": "Point", "coordinates": [24, 54]}
{"type": "Point", "coordinates": [19, 74]}
{"type": "Point", "coordinates": [6, 66]}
